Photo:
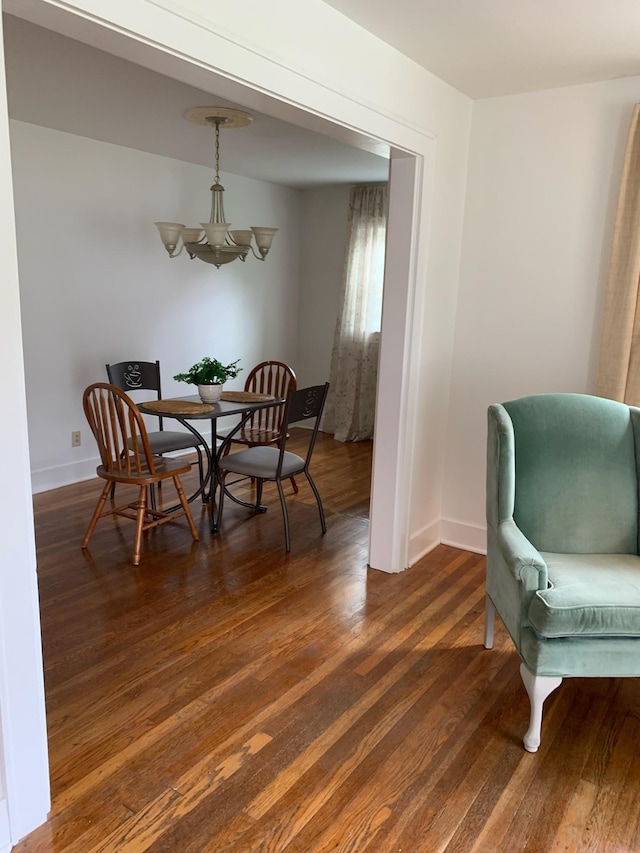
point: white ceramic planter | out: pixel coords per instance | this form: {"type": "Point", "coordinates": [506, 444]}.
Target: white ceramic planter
{"type": "Point", "coordinates": [210, 393]}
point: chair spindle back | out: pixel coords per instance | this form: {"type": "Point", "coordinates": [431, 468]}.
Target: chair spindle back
{"type": "Point", "coordinates": [277, 379]}
{"type": "Point", "coordinates": [119, 431]}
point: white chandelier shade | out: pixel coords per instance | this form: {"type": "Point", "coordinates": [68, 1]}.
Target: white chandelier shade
{"type": "Point", "coordinates": [214, 242]}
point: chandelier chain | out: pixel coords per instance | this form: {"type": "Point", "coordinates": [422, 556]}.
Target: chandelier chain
{"type": "Point", "coordinates": [217, 152]}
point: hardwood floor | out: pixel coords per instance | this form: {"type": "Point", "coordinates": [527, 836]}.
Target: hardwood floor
{"type": "Point", "coordinates": [226, 696]}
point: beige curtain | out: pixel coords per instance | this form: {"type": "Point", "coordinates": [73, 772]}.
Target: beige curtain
{"type": "Point", "coordinates": [350, 405]}
{"type": "Point", "coordinates": [619, 365]}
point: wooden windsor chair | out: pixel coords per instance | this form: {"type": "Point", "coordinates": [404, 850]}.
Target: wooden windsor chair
{"type": "Point", "coordinates": [126, 457]}
{"type": "Point", "coordinates": [264, 428]}
{"type": "Point", "coordinates": [134, 375]}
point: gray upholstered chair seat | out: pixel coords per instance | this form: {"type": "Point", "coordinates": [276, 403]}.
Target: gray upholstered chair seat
{"type": "Point", "coordinates": [589, 595]}
{"type": "Point", "coordinates": [170, 440]}
{"type": "Point", "coordinates": [262, 463]}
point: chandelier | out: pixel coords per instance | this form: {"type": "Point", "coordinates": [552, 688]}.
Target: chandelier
{"type": "Point", "coordinates": [214, 242]}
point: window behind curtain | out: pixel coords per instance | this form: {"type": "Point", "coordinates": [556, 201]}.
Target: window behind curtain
{"type": "Point", "coordinates": [354, 361]}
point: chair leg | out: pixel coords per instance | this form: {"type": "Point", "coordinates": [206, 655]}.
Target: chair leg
{"type": "Point", "coordinates": [323, 523]}
{"type": "Point", "coordinates": [489, 622]}
{"type": "Point", "coordinates": [285, 515]}
{"type": "Point", "coordinates": [259, 485]}
{"type": "Point", "coordinates": [538, 687]}
{"type": "Point", "coordinates": [97, 513]}
{"type": "Point", "coordinates": [141, 510]}
{"type": "Point", "coordinates": [185, 506]}
{"type": "Point", "coordinates": [294, 485]}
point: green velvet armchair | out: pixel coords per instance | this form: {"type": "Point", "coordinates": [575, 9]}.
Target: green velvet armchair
{"type": "Point", "coordinates": [563, 570]}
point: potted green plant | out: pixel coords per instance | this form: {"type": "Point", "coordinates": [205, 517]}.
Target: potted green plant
{"type": "Point", "coordinates": [209, 375]}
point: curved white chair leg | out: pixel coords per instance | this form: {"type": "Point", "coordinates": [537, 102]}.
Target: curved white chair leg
{"type": "Point", "coordinates": [538, 687]}
{"type": "Point", "coordinates": [489, 622]}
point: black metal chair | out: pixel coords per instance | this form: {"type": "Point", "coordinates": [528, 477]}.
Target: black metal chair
{"type": "Point", "coordinates": [135, 375]}
{"type": "Point", "coordinates": [275, 464]}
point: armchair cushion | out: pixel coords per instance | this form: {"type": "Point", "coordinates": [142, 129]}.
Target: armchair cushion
{"type": "Point", "coordinates": [576, 479]}
{"type": "Point", "coordinates": [589, 595]}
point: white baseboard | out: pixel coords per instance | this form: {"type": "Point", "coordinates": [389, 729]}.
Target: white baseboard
{"type": "Point", "coordinates": [469, 537]}
{"type": "Point", "coordinates": [45, 479]}
{"type": "Point", "coordinates": [423, 541]}
{"type": "Point", "coordinates": [63, 475]}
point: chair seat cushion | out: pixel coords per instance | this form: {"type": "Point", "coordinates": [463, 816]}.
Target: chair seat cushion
{"type": "Point", "coordinates": [590, 595]}
{"type": "Point", "coordinates": [164, 468]}
{"type": "Point", "coordinates": [165, 441]}
{"type": "Point", "coordinates": [262, 462]}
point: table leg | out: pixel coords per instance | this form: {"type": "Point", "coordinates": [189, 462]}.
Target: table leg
{"type": "Point", "coordinates": [201, 490]}
{"type": "Point", "coordinates": [208, 477]}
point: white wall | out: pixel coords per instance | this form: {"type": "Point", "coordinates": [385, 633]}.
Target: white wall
{"type": "Point", "coordinates": [325, 212]}
{"type": "Point", "coordinates": [543, 183]}
{"type": "Point", "coordinates": [97, 286]}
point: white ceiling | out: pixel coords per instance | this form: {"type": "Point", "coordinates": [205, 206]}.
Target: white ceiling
{"type": "Point", "coordinates": [57, 82]}
{"type": "Point", "coordinates": [487, 48]}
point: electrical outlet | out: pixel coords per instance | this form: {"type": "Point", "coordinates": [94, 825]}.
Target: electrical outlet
{"type": "Point", "coordinates": [76, 438]}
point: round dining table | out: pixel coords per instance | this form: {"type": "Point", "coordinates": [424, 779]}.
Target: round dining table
{"type": "Point", "coordinates": [190, 410]}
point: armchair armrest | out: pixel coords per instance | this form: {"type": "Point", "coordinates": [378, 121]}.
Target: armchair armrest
{"type": "Point", "coordinates": [520, 555]}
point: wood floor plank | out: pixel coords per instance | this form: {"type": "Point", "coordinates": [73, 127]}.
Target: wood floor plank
{"type": "Point", "coordinates": [625, 822]}
{"type": "Point", "coordinates": [334, 732]}
{"type": "Point", "coordinates": [570, 830]}
{"type": "Point", "coordinates": [227, 696]}
{"type": "Point", "coordinates": [416, 743]}
{"type": "Point", "coordinates": [564, 771]}
{"type": "Point", "coordinates": [623, 753]}
{"type": "Point", "coordinates": [140, 831]}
